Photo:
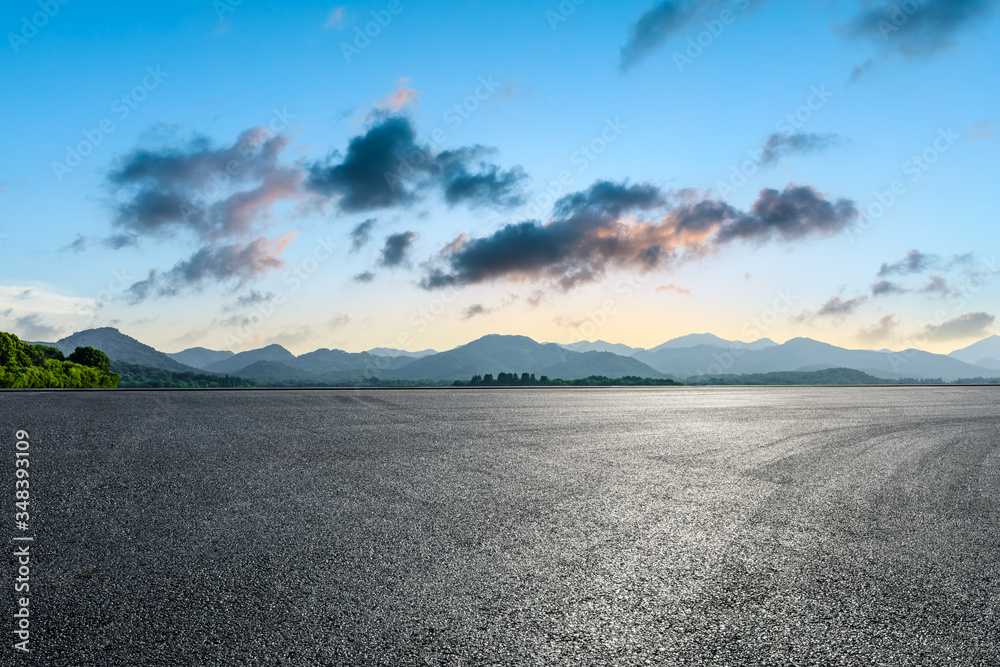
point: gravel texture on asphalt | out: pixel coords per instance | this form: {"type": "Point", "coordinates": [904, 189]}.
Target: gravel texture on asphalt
{"type": "Point", "coordinates": [841, 526]}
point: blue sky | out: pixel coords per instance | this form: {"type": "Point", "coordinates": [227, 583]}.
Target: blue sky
{"type": "Point", "coordinates": [647, 121]}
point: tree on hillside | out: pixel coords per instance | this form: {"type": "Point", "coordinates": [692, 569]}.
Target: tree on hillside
{"type": "Point", "coordinates": [39, 353]}
{"type": "Point", "coordinates": [91, 356]}
{"type": "Point", "coordinates": [24, 366]}
{"type": "Point", "coordinates": [13, 353]}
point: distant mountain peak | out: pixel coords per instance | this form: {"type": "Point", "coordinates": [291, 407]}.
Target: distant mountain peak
{"type": "Point", "coordinates": [987, 348]}
{"type": "Point", "coordinates": [199, 357]}
{"type": "Point", "coordinates": [121, 347]}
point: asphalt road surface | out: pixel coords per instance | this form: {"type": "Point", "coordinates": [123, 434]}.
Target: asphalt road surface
{"type": "Point", "coordinates": [848, 526]}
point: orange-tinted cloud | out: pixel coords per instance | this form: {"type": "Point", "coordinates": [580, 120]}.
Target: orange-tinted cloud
{"type": "Point", "coordinates": [335, 19]}
{"type": "Point", "coordinates": [673, 288]}
{"type": "Point", "coordinates": [398, 99]}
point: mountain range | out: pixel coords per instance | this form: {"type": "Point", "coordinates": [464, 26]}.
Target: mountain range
{"type": "Point", "coordinates": [695, 355]}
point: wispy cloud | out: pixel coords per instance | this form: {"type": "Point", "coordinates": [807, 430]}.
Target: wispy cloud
{"type": "Point", "coordinates": [937, 286]}
{"type": "Point", "coordinates": [474, 310]}
{"type": "Point", "coordinates": [886, 287]}
{"type": "Point", "coordinates": [673, 288]}
{"type": "Point", "coordinates": [335, 19]}
{"type": "Point", "coordinates": [914, 262]}
{"type": "Point", "coordinates": [981, 131]}
{"type": "Point", "coordinates": [364, 277]}
{"type": "Point", "coordinates": [237, 262]}
{"type": "Point", "coordinates": [783, 144]}
{"type": "Point", "coordinates": [361, 234]}
{"type": "Point", "coordinates": [837, 307]}
{"type": "Point", "coordinates": [399, 99]}
{"type": "Point", "coordinates": [879, 332]}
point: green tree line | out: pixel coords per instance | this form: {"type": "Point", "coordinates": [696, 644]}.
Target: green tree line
{"type": "Point", "coordinates": [26, 366]}
{"type": "Point", "coordinates": [137, 376]}
{"type": "Point", "coordinates": [529, 380]}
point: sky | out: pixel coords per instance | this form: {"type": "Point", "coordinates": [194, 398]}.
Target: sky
{"type": "Point", "coordinates": [233, 174]}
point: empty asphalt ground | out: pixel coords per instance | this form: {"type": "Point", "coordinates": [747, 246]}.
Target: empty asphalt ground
{"type": "Point", "coordinates": [854, 526]}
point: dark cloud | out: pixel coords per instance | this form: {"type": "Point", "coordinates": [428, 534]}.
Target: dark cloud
{"type": "Point", "coordinates": [361, 234]}
{"type": "Point", "coordinates": [590, 233]}
{"type": "Point", "coordinates": [861, 70]}
{"type": "Point", "coordinates": [143, 289]}
{"type": "Point", "coordinates": [837, 307]}
{"type": "Point", "coordinates": [914, 262]}
{"type": "Point", "coordinates": [364, 277]}
{"type": "Point", "coordinates": [395, 248]}
{"type": "Point", "coordinates": [668, 18]}
{"type": "Point", "coordinates": [214, 193]}
{"type": "Point", "coordinates": [795, 212]}
{"type": "Point", "coordinates": [611, 198]}
{"type": "Point", "coordinates": [359, 179]}
{"type": "Point", "coordinates": [79, 244]}
{"type": "Point", "coordinates": [916, 28]}
{"type": "Point", "coordinates": [963, 326]}
{"type": "Point", "coordinates": [240, 262]}
{"type": "Point", "coordinates": [655, 26]}
{"type": "Point", "coordinates": [885, 287]}
{"type": "Point", "coordinates": [491, 186]}
{"type": "Point", "coordinates": [780, 144]}
{"type": "Point", "coordinates": [254, 297]}
{"type": "Point", "coordinates": [475, 309]}
{"type": "Point", "coordinates": [386, 167]}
